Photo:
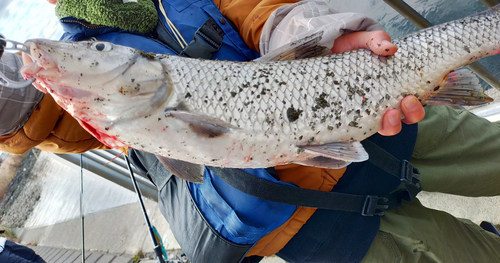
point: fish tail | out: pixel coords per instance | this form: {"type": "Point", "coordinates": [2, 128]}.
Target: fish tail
{"type": "Point", "coordinates": [460, 87]}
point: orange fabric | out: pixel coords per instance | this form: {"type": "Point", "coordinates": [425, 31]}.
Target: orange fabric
{"type": "Point", "coordinates": [249, 16]}
{"type": "Point", "coordinates": [52, 129]}
{"type": "Point", "coordinates": [306, 177]}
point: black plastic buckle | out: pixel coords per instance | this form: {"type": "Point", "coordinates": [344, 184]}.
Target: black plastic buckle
{"type": "Point", "coordinates": [409, 174]}
{"type": "Point", "coordinates": [372, 207]}
{"type": "Point", "coordinates": [410, 179]}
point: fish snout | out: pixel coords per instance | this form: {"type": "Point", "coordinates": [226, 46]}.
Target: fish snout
{"type": "Point", "coordinates": [39, 64]}
{"type": "Point", "coordinates": [41, 56]}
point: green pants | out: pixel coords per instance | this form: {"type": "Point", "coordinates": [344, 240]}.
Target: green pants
{"type": "Point", "coordinates": [456, 153]}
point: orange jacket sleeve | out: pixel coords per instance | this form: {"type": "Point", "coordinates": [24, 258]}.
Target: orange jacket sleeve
{"type": "Point", "coordinates": [249, 16]}
{"type": "Point", "coordinates": [51, 129]}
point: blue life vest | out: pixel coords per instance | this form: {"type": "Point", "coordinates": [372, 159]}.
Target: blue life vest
{"type": "Point", "coordinates": [239, 218]}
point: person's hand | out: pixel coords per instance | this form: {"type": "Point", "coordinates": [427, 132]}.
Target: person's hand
{"type": "Point", "coordinates": [379, 42]}
{"type": "Point", "coordinates": [52, 1]}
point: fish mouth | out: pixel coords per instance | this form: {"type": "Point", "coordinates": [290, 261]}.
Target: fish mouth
{"type": "Point", "coordinates": [39, 65]}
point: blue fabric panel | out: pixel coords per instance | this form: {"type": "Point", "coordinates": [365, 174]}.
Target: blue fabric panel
{"type": "Point", "coordinates": [238, 217]}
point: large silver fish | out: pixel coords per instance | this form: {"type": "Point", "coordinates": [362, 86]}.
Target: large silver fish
{"type": "Point", "coordinates": [311, 111]}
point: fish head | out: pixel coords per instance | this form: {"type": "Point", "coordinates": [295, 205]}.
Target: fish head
{"type": "Point", "coordinates": [98, 83]}
{"type": "Point", "coordinates": [85, 64]}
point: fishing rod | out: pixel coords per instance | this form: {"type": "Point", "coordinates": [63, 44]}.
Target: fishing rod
{"type": "Point", "coordinates": [81, 208]}
{"type": "Point", "coordinates": [157, 247]}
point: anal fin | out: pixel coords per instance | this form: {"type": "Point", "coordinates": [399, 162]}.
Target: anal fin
{"type": "Point", "coordinates": [343, 151]}
{"type": "Point", "coordinates": [187, 171]}
{"type": "Point", "coordinates": [462, 87]}
{"type": "Point", "coordinates": [324, 162]}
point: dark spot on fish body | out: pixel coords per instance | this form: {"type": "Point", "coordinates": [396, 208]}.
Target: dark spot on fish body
{"type": "Point", "coordinates": [188, 95]}
{"type": "Point", "coordinates": [300, 150]}
{"type": "Point", "coordinates": [293, 114]}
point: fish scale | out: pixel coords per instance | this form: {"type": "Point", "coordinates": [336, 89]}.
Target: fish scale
{"type": "Point", "coordinates": [311, 111]}
{"type": "Point", "coordinates": [341, 102]}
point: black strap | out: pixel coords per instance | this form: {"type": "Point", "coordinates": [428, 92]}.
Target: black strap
{"type": "Point", "coordinates": [206, 40]}
{"type": "Point", "coordinates": [367, 205]}
{"type": "Point", "coordinates": [404, 170]}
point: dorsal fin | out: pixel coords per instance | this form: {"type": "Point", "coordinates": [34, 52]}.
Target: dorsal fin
{"type": "Point", "coordinates": [307, 47]}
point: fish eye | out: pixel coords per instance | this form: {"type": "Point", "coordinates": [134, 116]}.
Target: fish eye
{"type": "Point", "coordinates": [101, 46]}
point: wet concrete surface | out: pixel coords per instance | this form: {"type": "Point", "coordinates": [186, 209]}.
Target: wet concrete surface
{"type": "Point", "coordinates": [58, 255]}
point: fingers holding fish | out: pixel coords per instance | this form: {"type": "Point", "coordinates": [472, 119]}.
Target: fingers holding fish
{"type": "Point", "coordinates": [412, 112]}
{"type": "Point", "coordinates": [391, 123]}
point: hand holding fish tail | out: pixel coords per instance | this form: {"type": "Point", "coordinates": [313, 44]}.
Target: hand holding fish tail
{"type": "Point", "coordinates": [379, 42]}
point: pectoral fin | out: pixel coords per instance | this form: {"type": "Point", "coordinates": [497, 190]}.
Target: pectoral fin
{"type": "Point", "coordinates": [343, 151]}
{"type": "Point", "coordinates": [205, 126]}
{"type": "Point", "coordinates": [187, 171]}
